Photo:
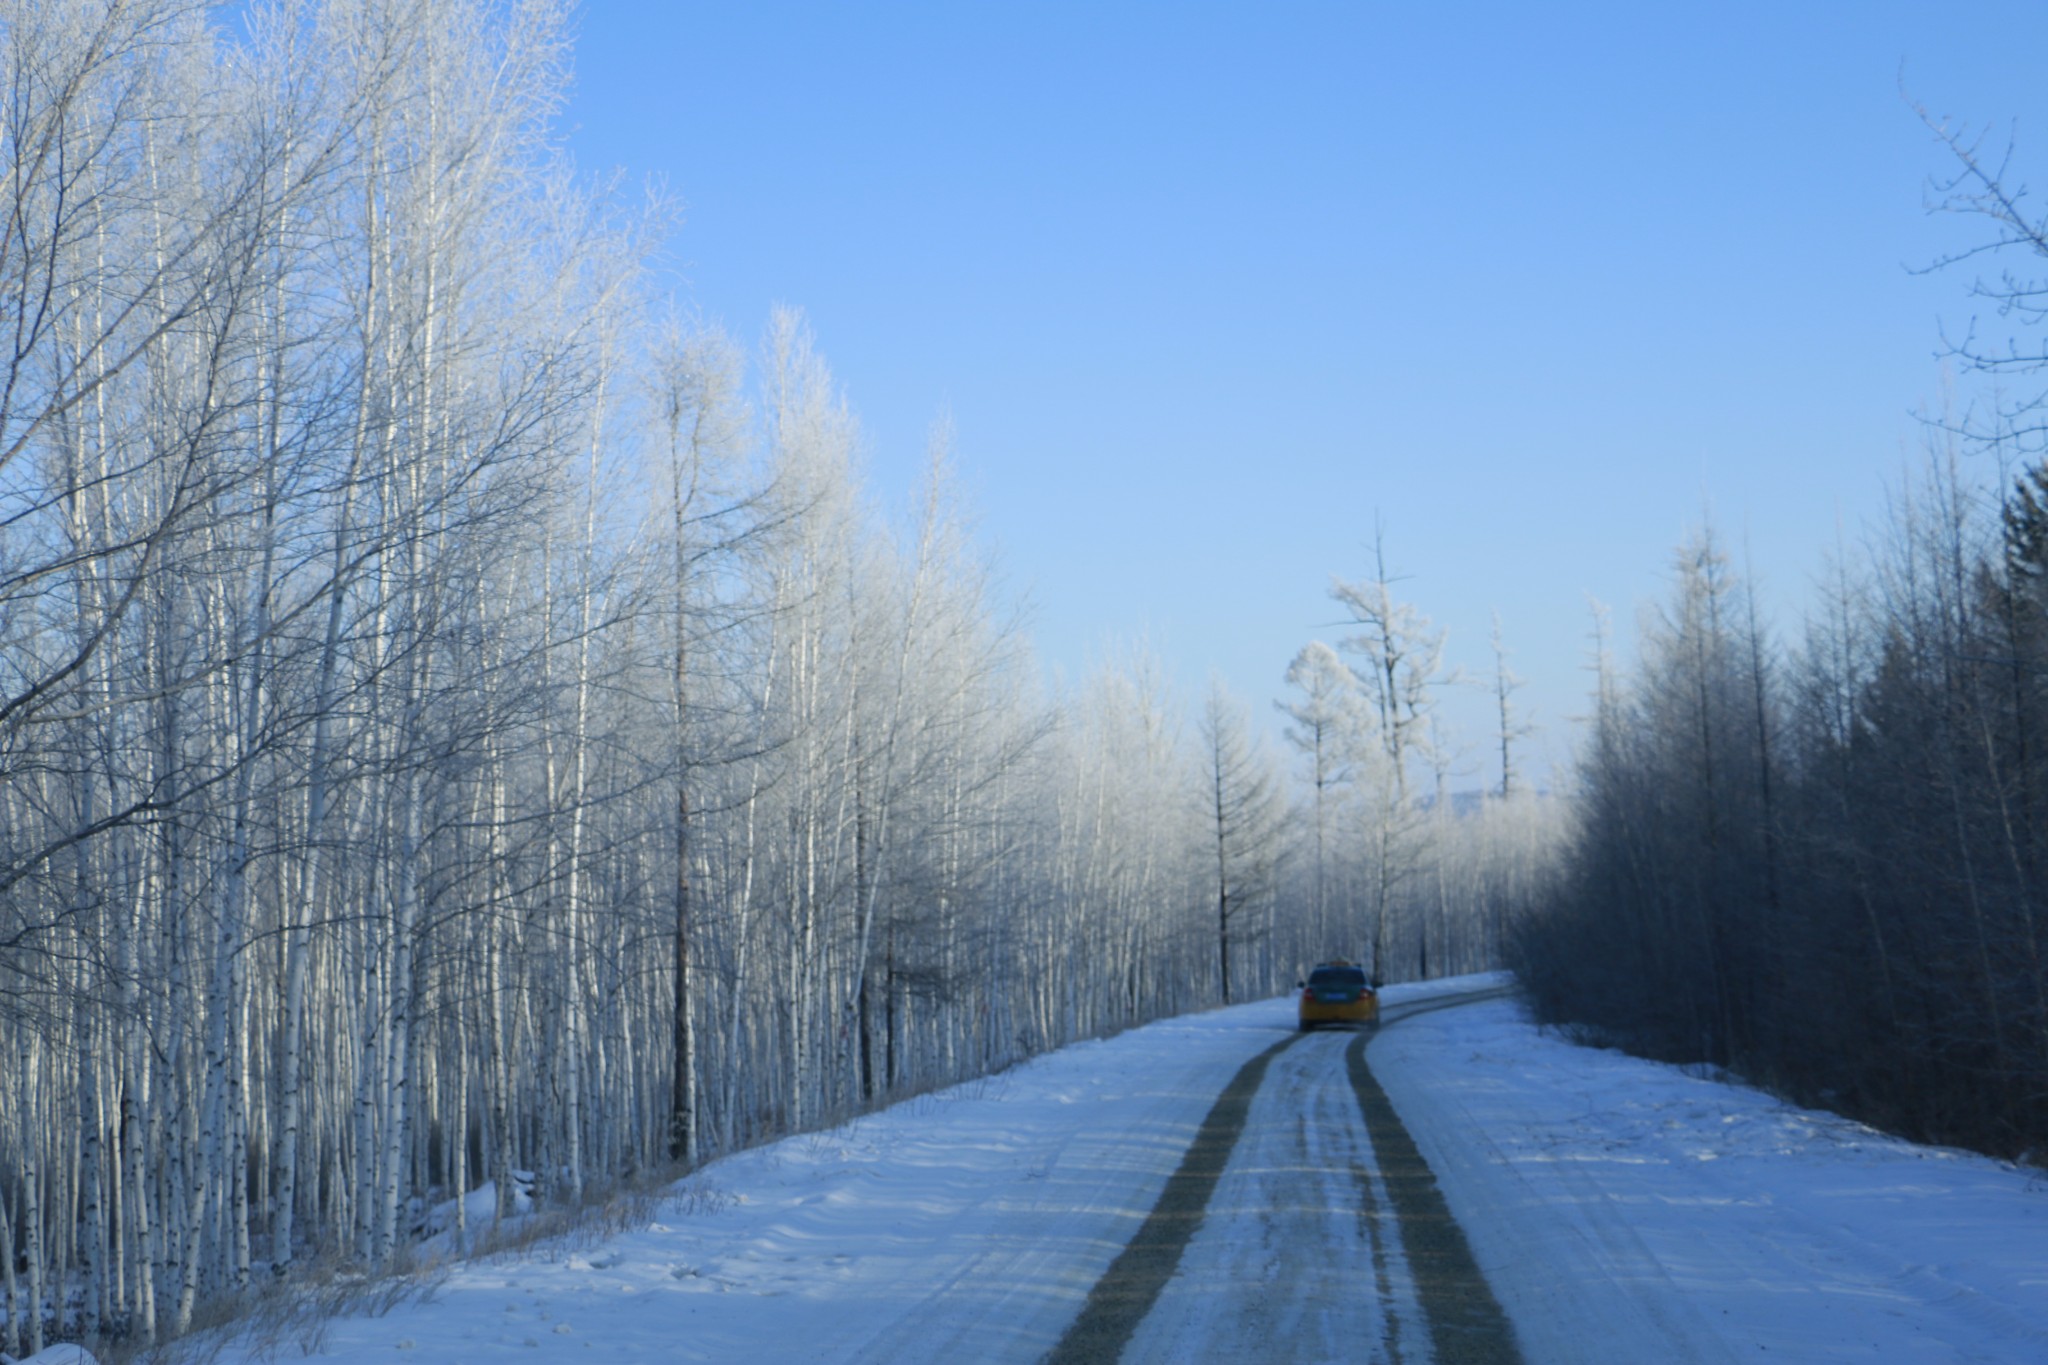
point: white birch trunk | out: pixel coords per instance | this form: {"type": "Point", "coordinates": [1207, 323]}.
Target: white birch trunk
{"type": "Point", "coordinates": [9, 1284]}
{"type": "Point", "coordinates": [32, 1199]}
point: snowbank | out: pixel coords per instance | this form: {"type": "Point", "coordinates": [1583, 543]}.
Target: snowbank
{"type": "Point", "coordinates": [55, 1355]}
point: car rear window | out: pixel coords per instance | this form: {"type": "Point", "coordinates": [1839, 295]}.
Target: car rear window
{"type": "Point", "coordinates": [1337, 976]}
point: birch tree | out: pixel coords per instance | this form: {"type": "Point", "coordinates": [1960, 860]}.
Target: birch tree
{"type": "Point", "coordinates": [434, 700]}
{"type": "Point", "coordinates": [1328, 729]}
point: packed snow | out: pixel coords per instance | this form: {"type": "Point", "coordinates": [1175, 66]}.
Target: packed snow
{"type": "Point", "coordinates": [1623, 1211]}
{"type": "Point", "coordinates": [1293, 1259]}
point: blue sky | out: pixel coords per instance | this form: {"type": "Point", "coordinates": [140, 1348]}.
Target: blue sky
{"type": "Point", "coordinates": [1208, 288]}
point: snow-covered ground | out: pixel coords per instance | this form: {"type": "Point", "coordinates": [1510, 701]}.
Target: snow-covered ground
{"type": "Point", "coordinates": [1627, 1212]}
{"type": "Point", "coordinates": [1623, 1211]}
{"type": "Point", "coordinates": [967, 1225]}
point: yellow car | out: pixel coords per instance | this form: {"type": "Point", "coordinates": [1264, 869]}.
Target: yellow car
{"type": "Point", "coordinates": [1338, 993]}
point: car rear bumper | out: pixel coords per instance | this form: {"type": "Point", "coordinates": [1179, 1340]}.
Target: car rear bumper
{"type": "Point", "coordinates": [1363, 1011]}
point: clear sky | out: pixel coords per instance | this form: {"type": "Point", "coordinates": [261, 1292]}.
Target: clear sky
{"type": "Point", "coordinates": [1206, 288]}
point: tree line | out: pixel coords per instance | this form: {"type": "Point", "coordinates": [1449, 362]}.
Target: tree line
{"type": "Point", "coordinates": [1820, 862]}
{"type": "Point", "coordinates": [1396, 861]}
{"type": "Point", "coordinates": [462, 727]}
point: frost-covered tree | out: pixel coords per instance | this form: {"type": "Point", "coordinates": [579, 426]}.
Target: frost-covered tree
{"type": "Point", "coordinates": [1511, 726]}
{"type": "Point", "coordinates": [1242, 807]}
{"type": "Point", "coordinates": [1330, 726]}
{"type": "Point", "coordinates": [1400, 666]}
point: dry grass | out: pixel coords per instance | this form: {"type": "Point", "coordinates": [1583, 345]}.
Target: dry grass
{"type": "Point", "coordinates": [274, 1321]}
{"type": "Point", "coordinates": [281, 1321]}
{"type": "Point", "coordinates": [605, 1210]}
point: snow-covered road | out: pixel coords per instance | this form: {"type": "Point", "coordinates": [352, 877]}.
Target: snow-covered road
{"type": "Point", "coordinates": [1297, 1246]}
{"type": "Point", "coordinates": [1622, 1211]}
{"type": "Point", "coordinates": [1626, 1211]}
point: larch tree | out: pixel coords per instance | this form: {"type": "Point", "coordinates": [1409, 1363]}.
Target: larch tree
{"type": "Point", "coordinates": [1510, 726]}
{"type": "Point", "coordinates": [1399, 670]}
{"type": "Point", "coordinates": [1242, 808]}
